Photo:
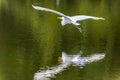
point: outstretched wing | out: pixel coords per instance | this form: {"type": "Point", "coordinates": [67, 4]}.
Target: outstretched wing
{"type": "Point", "coordinates": [84, 17]}
{"type": "Point", "coordinates": [49, 10]}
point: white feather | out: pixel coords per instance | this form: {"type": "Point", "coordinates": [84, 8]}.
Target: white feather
{"type": "Point", "coordinates": [84, 17]}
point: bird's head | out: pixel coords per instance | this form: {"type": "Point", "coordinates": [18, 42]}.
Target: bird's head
{"type": "Point", "coordinates": [63, 21]}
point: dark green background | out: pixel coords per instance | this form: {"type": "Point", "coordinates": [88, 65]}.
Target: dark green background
{"type": "Point", "coordinates": [30, 39]}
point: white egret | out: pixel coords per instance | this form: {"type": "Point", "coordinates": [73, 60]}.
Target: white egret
{"type": "Point", "coordinates": [68, 19]}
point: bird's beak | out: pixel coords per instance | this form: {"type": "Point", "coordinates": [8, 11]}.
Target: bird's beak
{"type": "Point", "coordinates": [59, 17]}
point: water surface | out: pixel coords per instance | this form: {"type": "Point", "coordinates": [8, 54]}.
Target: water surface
{"type": "Point", "coordinates": [31, 39]}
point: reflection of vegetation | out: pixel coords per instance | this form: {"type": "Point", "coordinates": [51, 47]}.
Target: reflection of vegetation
{"type": "Point", "coordinates": [27, 42]}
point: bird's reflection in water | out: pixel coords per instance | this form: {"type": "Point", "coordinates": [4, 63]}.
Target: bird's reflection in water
{"type": "Point", "coordinates": [67, 60]}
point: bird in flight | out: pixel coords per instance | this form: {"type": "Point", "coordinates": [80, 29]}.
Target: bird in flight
{"type": "Point", "coordinates": [68, 19]}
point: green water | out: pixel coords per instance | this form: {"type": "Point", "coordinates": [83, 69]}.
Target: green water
{"type": "Point", "coordinates": [30, 39]}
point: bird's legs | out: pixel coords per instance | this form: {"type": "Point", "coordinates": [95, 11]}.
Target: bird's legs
{"type": "Point", "coordinates": [79, 28]}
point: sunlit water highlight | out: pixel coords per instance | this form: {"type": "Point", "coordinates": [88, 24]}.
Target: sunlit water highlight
{"type": "Point", "coordinates": [57, 2]}
{"type": "Point", "coordinates": [67, 60]}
